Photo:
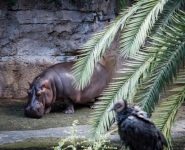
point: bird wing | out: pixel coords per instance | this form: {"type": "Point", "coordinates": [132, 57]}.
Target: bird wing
{"type": "Point", "coordinates": [139, 133]}
{"type": "Point", "coordinates": [139, 113]}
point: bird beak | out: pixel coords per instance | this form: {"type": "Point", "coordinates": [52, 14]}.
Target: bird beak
{"type": "Point", "coordinates": [110, 109]}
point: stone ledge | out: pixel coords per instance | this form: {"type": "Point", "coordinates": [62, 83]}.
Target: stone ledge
{"type": "Point", "coordinates": [50, 137]}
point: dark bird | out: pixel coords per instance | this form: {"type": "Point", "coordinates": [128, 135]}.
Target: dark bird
{"type": "Point", "coordinates": [136, 130]}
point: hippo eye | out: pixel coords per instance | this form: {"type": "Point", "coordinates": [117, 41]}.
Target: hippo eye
{"type": "Point", "coordinates": [39, 93]}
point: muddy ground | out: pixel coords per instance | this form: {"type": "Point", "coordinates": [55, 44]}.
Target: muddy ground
{"type": "Point", "coordinates": [12, 116]}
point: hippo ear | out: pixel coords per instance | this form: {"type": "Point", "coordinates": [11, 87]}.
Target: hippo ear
{"type": "Point", "coordinates": [28, 92]}
{"type": "Point", "coordinates": [29, 84]}
{"type": "Point", "coordinates": [45, 84]}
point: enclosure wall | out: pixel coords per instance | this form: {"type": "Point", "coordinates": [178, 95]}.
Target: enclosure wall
{"type": "Point", "coordinates": [35, 34]}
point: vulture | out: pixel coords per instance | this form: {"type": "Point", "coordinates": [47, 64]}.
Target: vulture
{"type": "Point", "coordinates": [136, 130]}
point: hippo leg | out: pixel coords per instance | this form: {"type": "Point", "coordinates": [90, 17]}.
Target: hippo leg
{"type": "Point", "coordinates": [48, 109]}
{"type": "Point", "coordinates": [69, 106]}
{"type": "Point", "coordinates": [93, 105]}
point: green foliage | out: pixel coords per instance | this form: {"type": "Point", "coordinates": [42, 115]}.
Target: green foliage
{"type": "Point", "coordinates": [125, 87]}
{"type": "Point", "coordinates": [135, 24]}
{"type": "Point", "coordinates": [149, 68]}
{"type": "Point", "coordinates": [170, 52]}
{"type": "Point", "coordinates": [138, 26]}
{"type": "Point", "coordinates": [72, 142]}
{"type": "Point", "coordinates": [93, 49]}
{"type": "Point", "coordinates": [165, 17]}
{"type": "Point", "coordinates": [72, 139]}
{"type": "Point", "coordinates": [165, 113]}
{"type": "Point", "coordinates": [164, 116]}
{"type": "Point", "coordinates": [165, 62]}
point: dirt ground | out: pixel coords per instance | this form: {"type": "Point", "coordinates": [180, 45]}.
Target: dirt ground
{"type": "Point", "coordinates": [12, 116]}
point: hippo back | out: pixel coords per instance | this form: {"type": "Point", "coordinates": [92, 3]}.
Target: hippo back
{"type": "Point", "coordinates": [97, 84]}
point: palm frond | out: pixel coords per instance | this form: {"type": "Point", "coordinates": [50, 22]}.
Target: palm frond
{"type": "Point", "coordinates": [181, 77]}
{"type": "Point", "coordinates": [94, 48]}
{"type": "Point", "coordinates": [125, 87]}
{"type": "Point", "coordinates": [169, 54]}
{"type": "Point", "coordinates": [164, 115]}
{"type": "Point", "coordinates": [170, 49]}
{"type": "Point", "coordinates": [165, 17]}
{"type": "Point", "coordinates": [139, 25]}
{"type": "Point", "coordinates": [135, 31]}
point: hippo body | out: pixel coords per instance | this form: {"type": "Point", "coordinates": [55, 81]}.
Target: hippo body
{"type": "Point", "coordinates": [55, 84]}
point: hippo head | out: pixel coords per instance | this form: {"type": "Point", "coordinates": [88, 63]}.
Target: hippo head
{"type": "Point", "coordinates": [40, 98]}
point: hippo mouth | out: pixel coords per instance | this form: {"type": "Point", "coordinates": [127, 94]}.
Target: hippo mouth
{"type": "Point", "coordinates": [34, 112]}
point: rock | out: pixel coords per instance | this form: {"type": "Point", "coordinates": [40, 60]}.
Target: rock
{"type": "Point", "coordinates": [35, 31]}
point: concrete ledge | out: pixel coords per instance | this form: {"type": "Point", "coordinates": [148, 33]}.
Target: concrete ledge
{"type": "Point", "coordinates": [50, 137]}
{"type": "Point", "coordinates": [42, 138]}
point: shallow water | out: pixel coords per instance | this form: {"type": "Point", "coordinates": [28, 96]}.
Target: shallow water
{"type": "Point", "coordinates": [12, 116]}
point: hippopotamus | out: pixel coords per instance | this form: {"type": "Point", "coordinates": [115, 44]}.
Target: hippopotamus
{"type": "Point", "coordinates": [56, 84]}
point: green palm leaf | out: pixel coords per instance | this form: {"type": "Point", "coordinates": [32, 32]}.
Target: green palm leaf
{"type": "Point", "coordinates": [134, 34]}
{"type": "Point", "coordinates": [139, 26]}
{"type": "Point", "coordinates": [170, 55]}
{"type": "Point", "coordinates": [164, 115]}
{"type": "Point", "coordinates": [124, 87]}
{"type": "Point", "coordinates": [94, 48]}
{"type": "Point", "coordinates": [181, 77]}
{"type": "Point", "coordinates": [165, 17]}
{"type": "Point", "coordinates": [159, 62]}
{"type": "Point", "coordinates": [167, 53]}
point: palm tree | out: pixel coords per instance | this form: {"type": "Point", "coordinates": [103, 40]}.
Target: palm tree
{"type": "Point", "coordinates": [149, 69]}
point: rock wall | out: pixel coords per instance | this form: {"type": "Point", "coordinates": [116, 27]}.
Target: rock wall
{"type": "Point", "coordinates": [35, 34]}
